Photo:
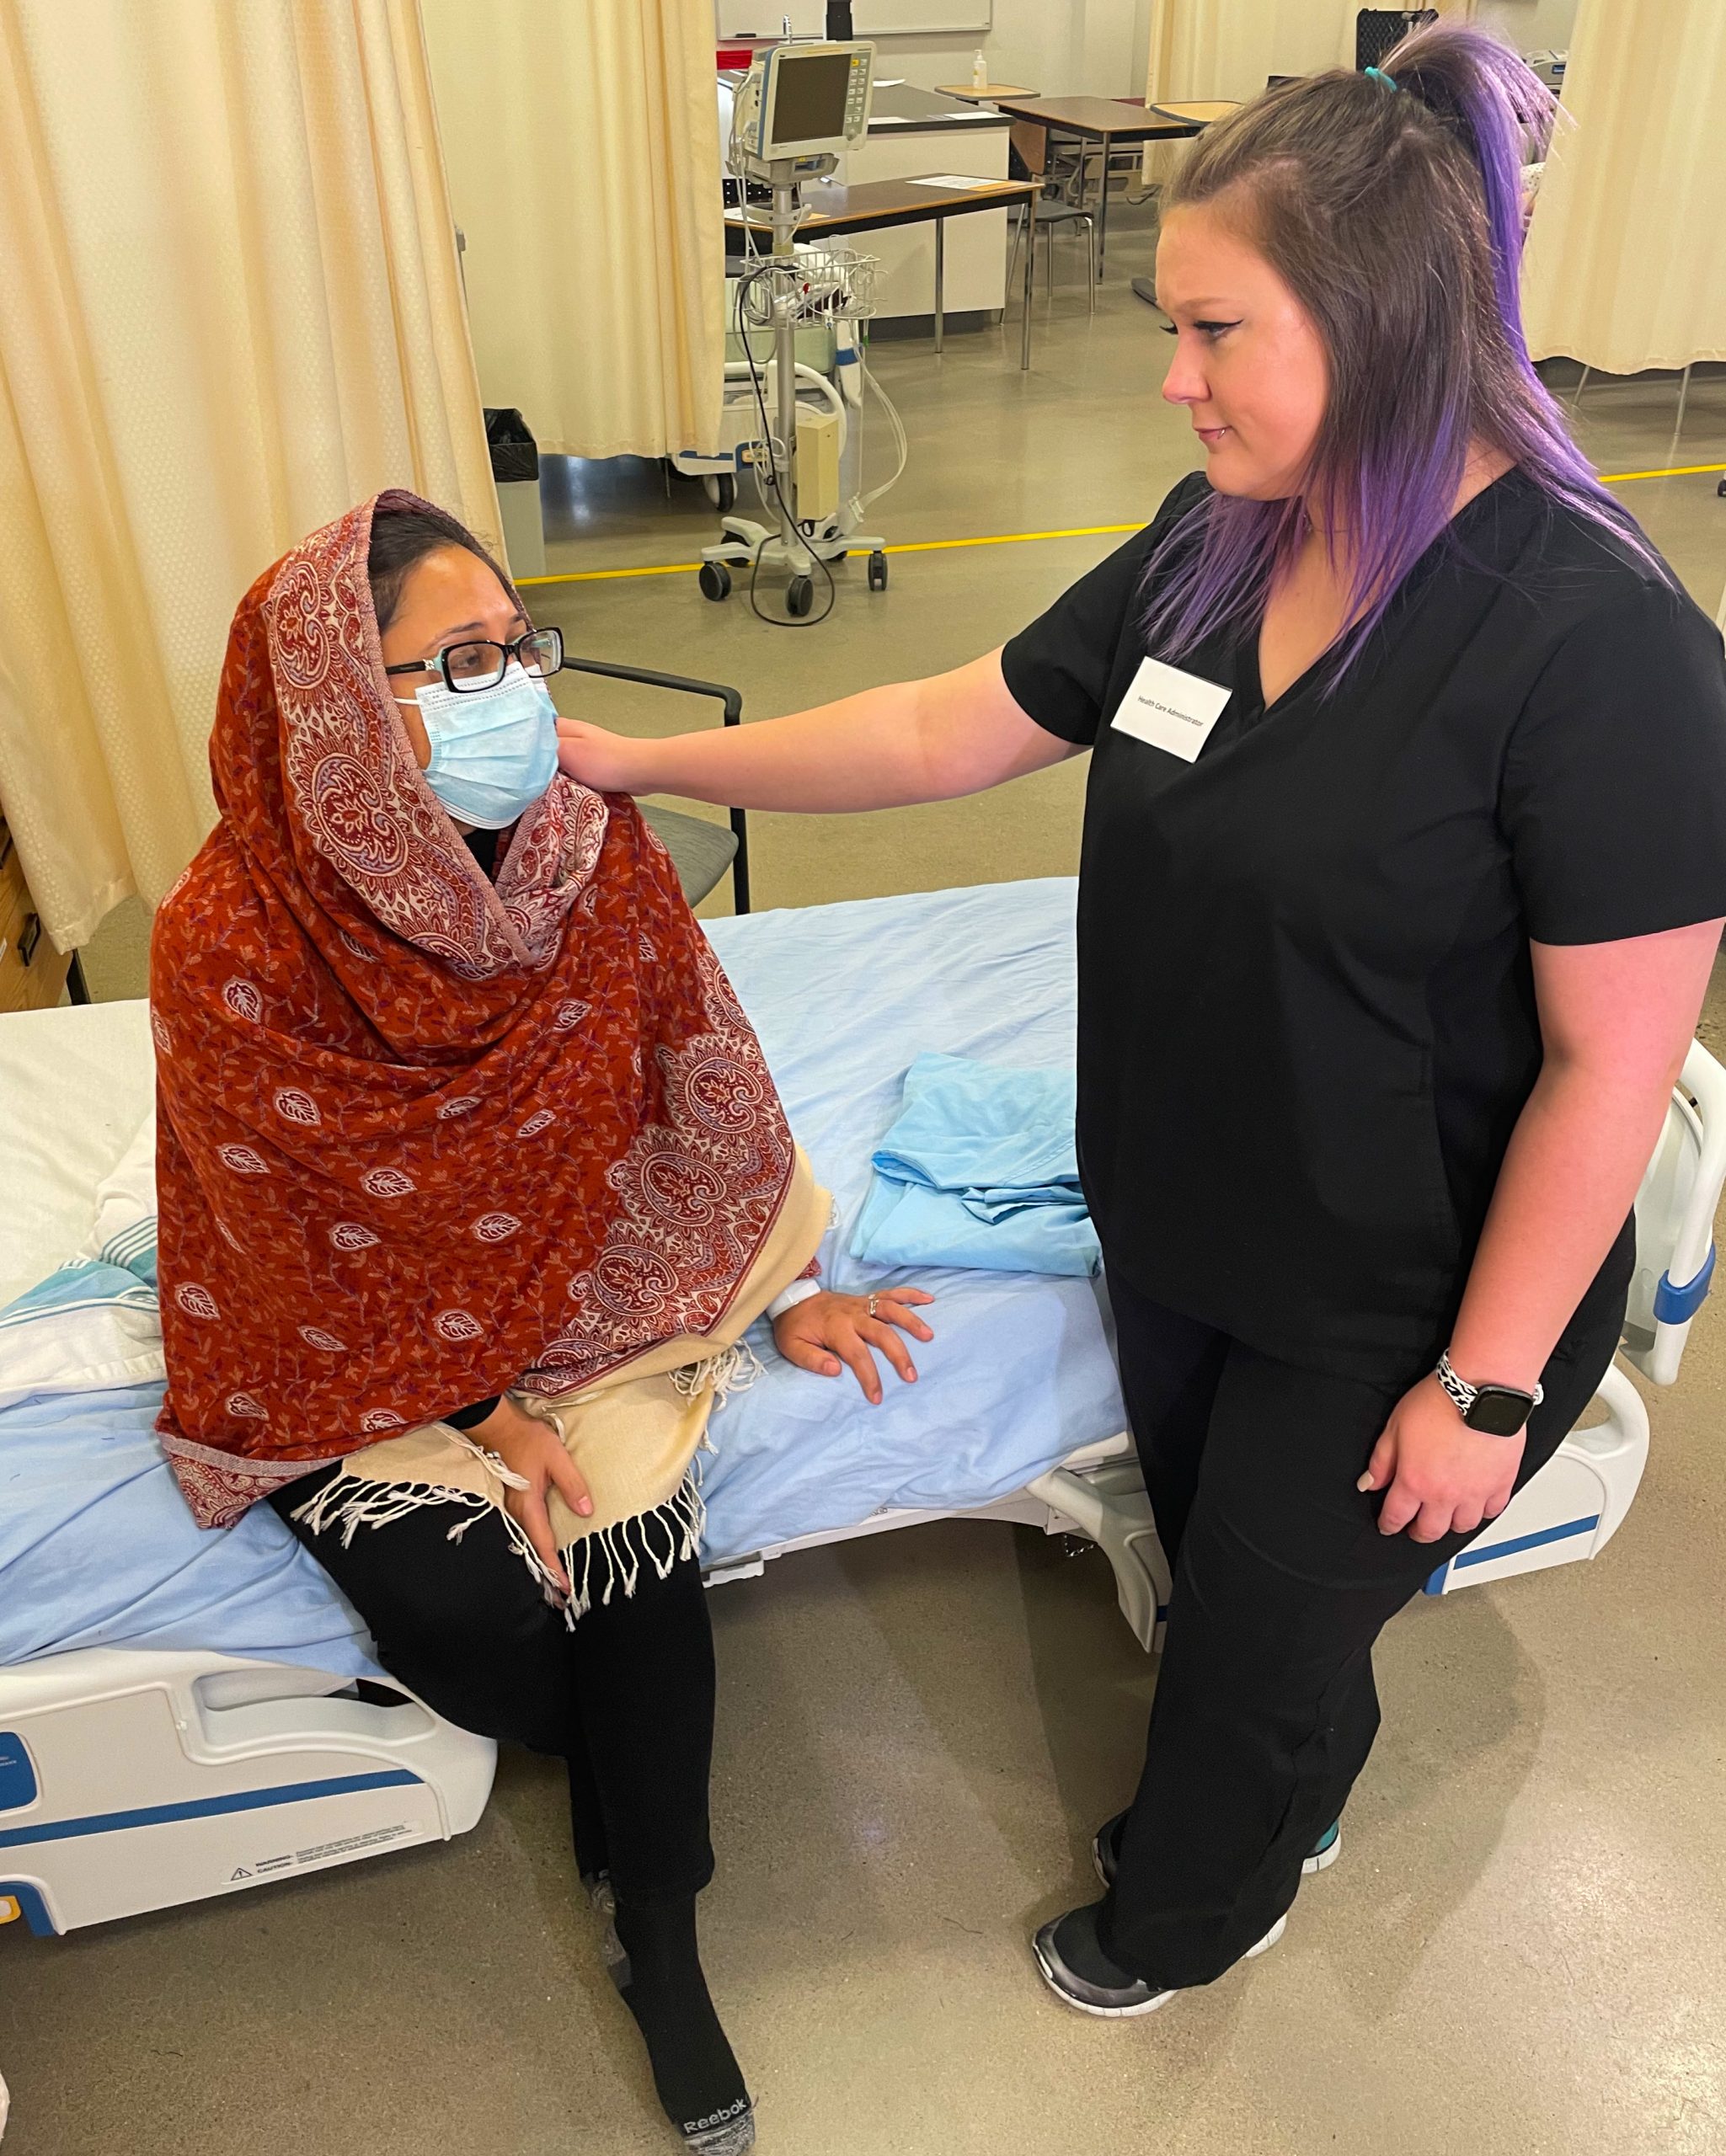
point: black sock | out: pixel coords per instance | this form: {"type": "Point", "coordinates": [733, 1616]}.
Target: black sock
{"type": "Point", "coordinates": [695, 2071]}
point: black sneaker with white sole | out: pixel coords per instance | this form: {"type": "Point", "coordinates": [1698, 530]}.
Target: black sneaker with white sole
{"type": "Point", "coordinates": [1081, 1975]}
{"type": "Point", "coordinates": [1106, 1851]}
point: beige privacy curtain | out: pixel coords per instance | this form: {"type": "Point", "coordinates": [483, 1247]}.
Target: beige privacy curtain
{"type": "Point", "coordinates": [1230, 48]}
{"type": "Point", "coordinates": [229, 307]}
{"type": "Point", "coordinates": [582, 142]}
{"type": "Point", "coordinates": [1626, 265]}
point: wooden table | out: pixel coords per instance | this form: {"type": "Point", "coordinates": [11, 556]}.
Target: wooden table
{"type": "Point", "coordinates": [969, 93]}
{"type": "Point", "coordinates": [878, 204]}
{"type": "Point", "coordinates": [1108, 120]}
{"type": "Point", "coordinates": [912, 132]}
{"type": "Point", "coordinates": [1207, 111]}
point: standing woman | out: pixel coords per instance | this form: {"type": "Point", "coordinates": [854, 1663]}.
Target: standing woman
{"type": "Point", "coordinates": [1403, 869]}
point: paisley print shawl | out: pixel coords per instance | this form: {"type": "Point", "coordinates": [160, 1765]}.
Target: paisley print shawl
{"type": "Point", "coordinates": [422, 1136]}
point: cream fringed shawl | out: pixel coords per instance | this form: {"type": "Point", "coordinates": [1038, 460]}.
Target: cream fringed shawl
{"type": "Point", "coordinates": [632, 1436]}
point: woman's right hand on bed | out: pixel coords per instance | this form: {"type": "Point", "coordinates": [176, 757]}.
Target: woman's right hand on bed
{"type": "Point", "coordinates": [536, 1452]}
{"type": "Point", "coordinates": [827, 1333]}
{"type": "Point", "coordinates": [608, 763]}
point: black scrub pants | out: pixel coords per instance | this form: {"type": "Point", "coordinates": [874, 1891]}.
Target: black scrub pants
{"type": "Point", "coordinates": [626, 1695]}
{"type": "Point", "coordinates": [1265, 1708]}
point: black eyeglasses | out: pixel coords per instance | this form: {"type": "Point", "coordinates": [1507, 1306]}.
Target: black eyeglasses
{"type": "Point", "coordinates": [479, 663]}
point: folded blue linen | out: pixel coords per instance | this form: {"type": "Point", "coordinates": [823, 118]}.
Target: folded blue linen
{"type": "Point", "coordinates": [978, 1170]}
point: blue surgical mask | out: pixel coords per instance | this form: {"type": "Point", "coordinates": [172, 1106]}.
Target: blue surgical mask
{"type": "Point", "coordinates": [493, 751]}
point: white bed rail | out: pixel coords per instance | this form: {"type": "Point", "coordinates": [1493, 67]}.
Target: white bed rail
{"type": "Point", "coordinates": [1109, 1505]}
{"type": "Point", "coordinates": [1675, 1220]}
{"type": "Point", "coordinates": [233, 1773]}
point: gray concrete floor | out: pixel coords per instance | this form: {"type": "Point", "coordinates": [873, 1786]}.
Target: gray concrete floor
{"type": "Point", "coordinates": [1524, 1945]}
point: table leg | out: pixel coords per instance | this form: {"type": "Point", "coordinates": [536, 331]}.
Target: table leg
{"type": "Point", "coordinates": [1103, 211]}
{"type": "Point", "coordinates": [940, 283]}
{"type": "Point", "coordinates": [1025, 346]}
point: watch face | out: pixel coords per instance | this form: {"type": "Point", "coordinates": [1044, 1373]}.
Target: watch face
{"type": "Point", "coordinates": [1498, 1412]}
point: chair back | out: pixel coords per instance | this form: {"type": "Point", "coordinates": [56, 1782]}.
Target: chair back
{"type": "Point", "coordinates": [1376, 30]}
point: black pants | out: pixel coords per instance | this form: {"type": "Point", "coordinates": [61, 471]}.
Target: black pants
{"type": "Point", "coordinates": [1265, 1708]}
{"type": "Point", "coordinates": [626, 1696]}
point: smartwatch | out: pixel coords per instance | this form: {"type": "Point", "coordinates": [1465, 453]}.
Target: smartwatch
{"type": "Point", "coordinates": [1497, 1411]}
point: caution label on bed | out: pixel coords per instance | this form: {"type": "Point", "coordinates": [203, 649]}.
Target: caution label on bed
{"type": "Point", "coordinates": [272, 1867]}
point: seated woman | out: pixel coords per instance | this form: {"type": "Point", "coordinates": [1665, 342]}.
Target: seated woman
{"type": "Point", "coordinates": [471, 1177]}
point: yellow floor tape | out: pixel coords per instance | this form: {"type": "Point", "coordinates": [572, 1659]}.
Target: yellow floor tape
{"type": "Point", "coordinates": [1020, 538]}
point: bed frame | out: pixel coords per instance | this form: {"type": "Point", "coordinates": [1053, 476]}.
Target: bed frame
{"type": "Point", "coordinates": [1570, 1510]}
{"type": "Point", "coordinates": [233, 1772]}
{"type": "Point", "coordinates": [239, 1772]}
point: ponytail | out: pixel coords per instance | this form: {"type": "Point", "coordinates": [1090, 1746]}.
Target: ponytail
{"type": "Point", "coordinates": [1390, 204]}
{"type": "Point", "coordinates": [1504, 115]}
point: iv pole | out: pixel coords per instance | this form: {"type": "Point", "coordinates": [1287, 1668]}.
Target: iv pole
{"type": "Point", "coordinates": [785, 310]}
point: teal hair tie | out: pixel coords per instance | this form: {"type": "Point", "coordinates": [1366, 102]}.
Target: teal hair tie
{"type": "Point", "coordinates": [1378, 75]}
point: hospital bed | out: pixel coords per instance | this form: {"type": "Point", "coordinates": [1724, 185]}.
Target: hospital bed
{"type": "Point", "coordinates": [185, 1714]}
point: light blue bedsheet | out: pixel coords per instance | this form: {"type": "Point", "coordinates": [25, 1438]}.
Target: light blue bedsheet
{"type": "Point", "coordinates": [979, 1171]}
{"type": "Point", "coordinates": [97, 1548]}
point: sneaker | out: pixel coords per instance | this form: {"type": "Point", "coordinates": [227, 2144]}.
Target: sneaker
{"type": "Point", "coordinates": [732, 2135]}
{"type": "Point", "coordinates": [1081, 1975]}
{"type": "Point", "coordinates": [1106, 1851]}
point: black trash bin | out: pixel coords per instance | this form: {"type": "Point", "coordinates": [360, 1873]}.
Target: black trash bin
{"type": "Point", "coordinates": [515, 468]}
{"type": "Point", "coordinates": [515, 454]}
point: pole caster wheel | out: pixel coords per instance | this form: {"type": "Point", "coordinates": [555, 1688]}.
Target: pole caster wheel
{"type": "Point", "coordinates": [715, 580]}
{"type": "Point", "coordinates": [878, 571]}
{"type": "Point", "coordinates": [1720, 489]}
{"type": "Point", "coordinates": [800, 596]}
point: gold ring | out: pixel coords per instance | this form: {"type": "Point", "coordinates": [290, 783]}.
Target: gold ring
{"type": "Point", "coordinates": [872, 1305]}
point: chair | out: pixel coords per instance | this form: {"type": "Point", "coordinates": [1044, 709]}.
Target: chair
{"type": "Point", "coordinates": [1050, 214]}
{"type": "Point", "coordinates": [1376, 30]}
{"type": "Point", "coordinates": [701, 852]}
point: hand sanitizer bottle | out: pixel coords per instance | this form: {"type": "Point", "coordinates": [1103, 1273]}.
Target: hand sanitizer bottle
{"type": "Point", "coordinates": [979, 72]}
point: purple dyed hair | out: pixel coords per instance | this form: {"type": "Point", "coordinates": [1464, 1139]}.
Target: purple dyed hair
{"type": "Point", "coordinates": [1395, 216]}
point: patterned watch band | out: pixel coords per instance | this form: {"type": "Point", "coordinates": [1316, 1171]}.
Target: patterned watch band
{"type": "Point", "coordinates": [1463, 1394]}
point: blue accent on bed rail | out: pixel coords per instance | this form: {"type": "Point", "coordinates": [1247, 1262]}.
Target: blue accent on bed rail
{"type": "Point", "coordinates": [18, 1778]}
{"type": "Point", "coordinates": [31, 1907]}
{"type": "Point", "coordinates": [1673, 1305]}
{"type": "Point", "coordinates": [1435, 1582]}
{"type": "Point", "coordinates": [1527, 1541]}
{"type": "Point", "coordinates": [203, 1807]}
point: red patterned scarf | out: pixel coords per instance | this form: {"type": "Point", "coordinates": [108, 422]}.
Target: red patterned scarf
{"type": "Point", "coordinates": [423, 1137]}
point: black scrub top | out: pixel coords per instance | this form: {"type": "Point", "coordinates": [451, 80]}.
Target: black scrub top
{"type": "Point", "coordinates": [1306, 1013]}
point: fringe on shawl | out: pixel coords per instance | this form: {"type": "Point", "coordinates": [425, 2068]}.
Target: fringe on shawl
{"type": "Point", "coordinates": [610, 1558]}
{"type": "Point", "coordinates": [612, 1555]}
{"type": "Point", "coordinates": [732, 1369]}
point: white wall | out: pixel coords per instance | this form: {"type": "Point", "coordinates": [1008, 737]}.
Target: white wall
{"type": "Point", "coordinates": [1100, 48]}
{"type": "Point", "coordinates": [1532, 26]}
{"type": "Point", "coordinates": [1061, 48]}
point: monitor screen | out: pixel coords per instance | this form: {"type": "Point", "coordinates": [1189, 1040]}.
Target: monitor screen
{"type": "Point", "coordinates": [809, 104]}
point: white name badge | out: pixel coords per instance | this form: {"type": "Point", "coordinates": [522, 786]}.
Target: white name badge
{"type": "Point", "coordinates": [1171, 710]}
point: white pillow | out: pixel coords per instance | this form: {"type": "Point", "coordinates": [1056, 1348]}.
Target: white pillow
{"type": "Point", "coordinates": [94, 1324]}
{"type": "Point", "coordinates": [125, 1199]}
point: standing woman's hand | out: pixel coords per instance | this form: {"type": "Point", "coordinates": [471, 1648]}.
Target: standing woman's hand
{"type": "Point", "coordinates": [534, 1450]}
{"type": "Point", "coordinates": [608, 763]}
{"type": "Point", "coordinates": [1439, 1477]}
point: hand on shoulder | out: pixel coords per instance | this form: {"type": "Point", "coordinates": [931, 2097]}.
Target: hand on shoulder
{"type": "Point", "coordinates": [608, 763]}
